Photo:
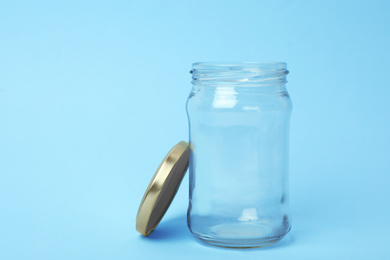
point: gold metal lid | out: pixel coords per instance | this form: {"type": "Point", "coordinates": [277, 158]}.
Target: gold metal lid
{"type": "Point", "coordinates": [162, 188]}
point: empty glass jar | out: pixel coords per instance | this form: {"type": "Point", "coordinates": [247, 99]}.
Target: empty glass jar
{"type": "Point", "coordinates": [239, 130]}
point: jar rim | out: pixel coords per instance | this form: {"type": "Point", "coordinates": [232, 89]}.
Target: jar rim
{"type": "Point", "coordinates": [273, 65]}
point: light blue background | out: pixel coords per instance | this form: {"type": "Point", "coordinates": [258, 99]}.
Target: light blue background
{"type": "Point", "coordinates": [92, 96]}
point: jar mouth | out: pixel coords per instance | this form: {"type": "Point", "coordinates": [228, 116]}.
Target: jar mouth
{"type": "Point", "coordinates": [239, 73]}
{"type": "Point", "coordinates": [274, 65]}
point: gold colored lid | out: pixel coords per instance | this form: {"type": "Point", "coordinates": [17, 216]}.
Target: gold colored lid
{"type": "Point", "coordinates": [162, 188]}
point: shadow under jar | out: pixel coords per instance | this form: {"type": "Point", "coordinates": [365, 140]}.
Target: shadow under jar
{"type": "Point", "coordinates": [239, 134]}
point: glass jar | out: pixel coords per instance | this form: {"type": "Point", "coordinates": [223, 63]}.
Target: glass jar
{"type": "Point", "coordinates": [239, 134]}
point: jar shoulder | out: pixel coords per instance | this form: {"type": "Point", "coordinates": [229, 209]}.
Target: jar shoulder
{"type": "Point", "coordinates": [239, 101]}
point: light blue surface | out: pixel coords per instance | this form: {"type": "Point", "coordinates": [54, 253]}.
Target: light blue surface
{"type": "Point", "coordinates": [92, 96]}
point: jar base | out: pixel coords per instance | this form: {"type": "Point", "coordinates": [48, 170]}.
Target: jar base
{"type": "Point", "coordinates": [240, 243]}
{"type": "Point", "coordinates": [238, 234]}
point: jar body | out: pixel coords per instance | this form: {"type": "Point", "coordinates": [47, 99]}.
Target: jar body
{"type": "Point", "coordinates": [239, 163]}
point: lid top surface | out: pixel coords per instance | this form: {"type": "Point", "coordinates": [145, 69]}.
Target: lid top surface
{"type": "Point", "coordinates": [162, 188]}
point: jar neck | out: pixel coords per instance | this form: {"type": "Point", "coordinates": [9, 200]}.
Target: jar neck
{"type": "Point", "coordinates": [243, 74]}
